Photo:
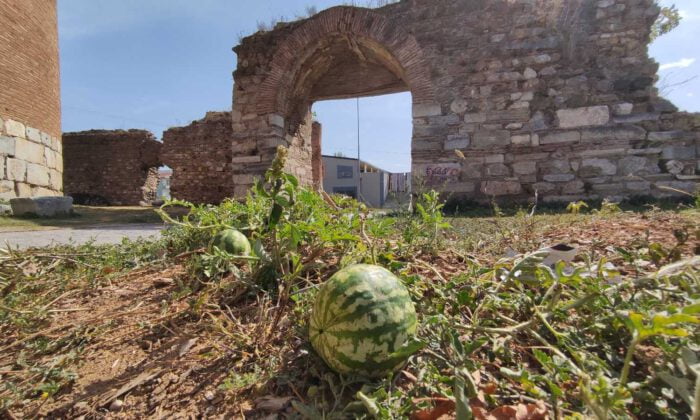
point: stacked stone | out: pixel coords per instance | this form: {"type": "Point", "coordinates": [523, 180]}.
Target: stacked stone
{"type": "Point", "coordinates": [31, 164]}
{"type": "Point", "coordinates": [200, 157]}
{"type": "Point", "coordinates": [551, 96]}
{"type": "Point", "coordinates": [112, 166]}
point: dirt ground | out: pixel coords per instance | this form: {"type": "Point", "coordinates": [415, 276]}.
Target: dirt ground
{"type": "Point", "coordinates": [149, 356]}
{"type": "Point", "coordinates": [84, 216]}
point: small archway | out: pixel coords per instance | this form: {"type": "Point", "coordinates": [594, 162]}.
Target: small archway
{"type": "Point", "coordinates": [343, 52]}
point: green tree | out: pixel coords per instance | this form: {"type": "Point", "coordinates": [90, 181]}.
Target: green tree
{"type": "Point", "coordinates": [668, 20]}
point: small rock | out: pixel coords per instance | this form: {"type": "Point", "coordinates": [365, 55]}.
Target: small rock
{"type": "Point", "coordinates": [116, 405]}
{"type": "Point", "coordinates": [674, 167]}
{"type": "Point", "coordinates": [209, 396]}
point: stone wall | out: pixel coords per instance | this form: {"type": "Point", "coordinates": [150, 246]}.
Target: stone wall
{"type": "Point", "coordinates": [31, 163]}
{"type": "Point", "coordinates": [553, 96]}
{"type": "Point", "coordinates": [317, 155]}
{"type": "Point", "coordinates": [111, 167]}
{"type": "Point", "coordinates": [200, 157]}
{"type": "Point", "coordinates": [30, 114]}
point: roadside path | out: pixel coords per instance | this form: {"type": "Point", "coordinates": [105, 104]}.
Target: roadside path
{"type": "Point", "coordinates": [104, 234]}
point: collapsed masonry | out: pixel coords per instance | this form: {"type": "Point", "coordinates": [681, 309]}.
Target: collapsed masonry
{"type": "Point", "coordinates": [554, 96]}
{"type": "Point", "coordinates": [200, 157]}
{"type": "Point", "coordinates": [111, 167]}
{"type": "Point", "coordinates": [548, 96]}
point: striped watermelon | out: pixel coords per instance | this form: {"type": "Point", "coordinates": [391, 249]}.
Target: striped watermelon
{"type": "Point", "coordinates": [232, 241]}
{"type": "Point", "coordinates": [363, 322]}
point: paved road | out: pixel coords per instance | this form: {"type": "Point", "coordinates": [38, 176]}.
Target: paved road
{"type": "Point", "coordinates": [105, 234]}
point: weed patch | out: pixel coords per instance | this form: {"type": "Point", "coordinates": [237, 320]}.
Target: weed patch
{"type": "Point", "coordinates": [178, 327]}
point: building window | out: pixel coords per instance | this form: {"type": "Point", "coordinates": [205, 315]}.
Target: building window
{"type": "Point", "coordinates": [345, 172]}
{"type": "Point", "coordinates": [349, 191]}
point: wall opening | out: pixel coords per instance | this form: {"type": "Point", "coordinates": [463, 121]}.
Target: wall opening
{"type": "Point", "coordinates": [381, 177]}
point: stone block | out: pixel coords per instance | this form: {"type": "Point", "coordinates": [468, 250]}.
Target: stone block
{"type": "Point", "coordinates": [7, 146]}
{"type": "Point", "coordinates": [15, 129]}
{"type": "Point", "coordinates": [520, 139]}
{"type": "Point", "coordinates": [497, 169]}
{"type": "Point", "coordinates": [544, 187]}
{"type": "Point", "coordinates": [529, 74]}
{"type": "Point", "coordinates": [42, 206]}
{"type": "Point", "coordinates": [497, 158]}
{"type": "Point", "coordinates": [426, 110]}
{"type": "Point", "coordinates": [674, 167]}
{"type": "Point", "coordinates": [7, 189]}
{"type": "Point", "coordinates": [50, 157]}
{"type": "Point", "coordinates": [33, 135]}
{"type": "Point", "coordinates": [525, 168]}
{"type": "Point", "coordinates": [491, 138]}
{"type": "Point", "coordinates": [603, 134]}
{"type": "Point", "coordinates": [602, 152]}
{"type": "Point", "coordinates": [29, 151]}
{"type": "Point", "coordinates": [560, 137]}
{"type": "Point", "coordinates": [583, 117]}
{"type": "Point", "coordinates": [243, 179]}
{"type": "Point", "coordinates": [559, 177]}
{"type": "Point", "coordinates": [426, 144]}
{"type": "Point", "coordinates": [500, 188]}
{"type": "Point", "coordinates": [638, 186]}
{"type": "Point", "coordinates": [636, 118]}
{"type": "Point", "coordinates": [538, 121]}
{"type": "Point", "coordinates": [670, 135]}
{"type": "Point", "coordinates": [276, 120]}
{"type": "Point", "coordinates": [56, 180]}
{"type": "Point", "coordinates": [597, 167]}
{"type": "Point", "coordinates": [472, 170]}
{"type": "Point", "coordinates": [459, 106]}
{"type": "Point", "coordinates": [38, 175]}
{"type": "Point", "coordinates": [456, 142]}
{"type": "Point", "coordinates": [623, 108]}
{"type": "Point", "coordinates": [678, 152]}
{"type": "Point", "coordinates": [508, 115]}
{"type": "Point", "coordinates": [46, 140]}
{"type": "Point", "coordinates": [246, 159]}
{"type": "Point", "coordinates": [474, 118]}
{"type": "Point", "coordinates": [460, 187]}
{"type": "Point", "coordinates": [23, 189]}
{"type": "Point", "coordinates": [573, 187]}
{"type": "Point", "coordinates": [16, 169]}
{"type": "Point", "coordinates": [636, 165]}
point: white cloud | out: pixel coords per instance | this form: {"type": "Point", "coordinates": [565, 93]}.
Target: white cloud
{"type": "Point", "coordinates": [680, 64]}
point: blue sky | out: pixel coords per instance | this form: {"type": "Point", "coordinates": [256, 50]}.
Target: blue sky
{"type": "Point", "coordinates": [154, 64]}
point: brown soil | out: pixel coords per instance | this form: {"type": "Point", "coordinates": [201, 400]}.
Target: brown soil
{"type": "Point", "coordinates": [160, 356]}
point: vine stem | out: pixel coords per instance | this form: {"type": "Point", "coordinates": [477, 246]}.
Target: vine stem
{"type": "Point", "coordinates": [628, 360]}
{"type": "Point", "coordinates": [696, 402]}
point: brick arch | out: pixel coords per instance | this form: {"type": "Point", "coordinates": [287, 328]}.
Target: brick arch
{"type": "Point", "coordinates": [303, 41]}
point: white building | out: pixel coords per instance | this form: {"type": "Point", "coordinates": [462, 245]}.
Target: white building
{"type": "Point", "coordinates": [340, 176]}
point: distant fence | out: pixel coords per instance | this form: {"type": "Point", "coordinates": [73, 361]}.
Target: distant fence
{"type": "Point", "coordinates": [400, 183]}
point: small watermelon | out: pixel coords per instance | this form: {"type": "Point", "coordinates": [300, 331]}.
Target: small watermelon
{"type": "Point", "coordinates": [232, 241]}
{"type": "Point", "coordinates": [363, 322]}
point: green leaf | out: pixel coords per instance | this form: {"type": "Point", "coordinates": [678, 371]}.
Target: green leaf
{"type": "Point", "coordinates": [463, 409]}
{"type": "Point", "coordinates": [682, 386]}
{"type": "Point", "coordinates": [292, 180]}
{"type": "Point", "coordinates": [369, 403]}
{"type": "Point", "coordinates": [474, 346]}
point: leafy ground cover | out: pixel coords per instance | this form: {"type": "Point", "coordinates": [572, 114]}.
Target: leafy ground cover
{"type": "Point", "coordinates": [177, 329]}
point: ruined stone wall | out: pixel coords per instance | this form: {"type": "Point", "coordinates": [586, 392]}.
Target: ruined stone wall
{"type": "Point", "coordinates": [111, 167]}
{"type": "Point", "coordinates": [200, 157]}
{"type": "Point", "coordinates": [554, 96]}
{"type": "Point", "coordinates": [317, 155]}
{"type": "Point", "coordinates": [30, 114]}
